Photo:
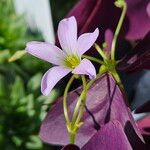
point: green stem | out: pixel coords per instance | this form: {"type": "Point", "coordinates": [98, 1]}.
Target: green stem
{"type": "Point", "coordinates": [81, 112]}
{"type": "Point", "coordinates": [82, 96]}
{"type": "Point", "coordinates": [79, 109]}
{"type": "Point", "coordinates": [92, 59]}
{"type": "Point", "coordinates": [117, 79]}
{"type": "Point", "coordinates": [117, 31]}
{"type": "Point", "coordinates": [65, 99]}
{"type": "Point", "coordinates": [83, 102]}
{"type": "Point", "coordinates": [72, 138]}
{"type": "Point", "coordinates": [72, 127]}
{"type": "Point", "coordinates": [84, 82]}
{"type": "Point", "coordinates": [100, 51]}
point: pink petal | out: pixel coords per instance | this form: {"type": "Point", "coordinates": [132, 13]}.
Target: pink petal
{"type": "Point", "coordinates": [67, 34]}
{"type": "Point", "coordinates": [85, 41]}
{"type": "Point", "coordinates": [85, 68]}
{"type": "Point", "coordinates": [94, 13]}
{"type": "Point", "coordinates": [46, 51]}
{"type": "Point", "coordinates": [51, 77]}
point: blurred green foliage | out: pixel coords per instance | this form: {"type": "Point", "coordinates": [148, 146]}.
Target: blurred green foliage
{"type": "Point", "coordinates": [13, 31]}
{"type": "Point", "coordinates": [22, 108]}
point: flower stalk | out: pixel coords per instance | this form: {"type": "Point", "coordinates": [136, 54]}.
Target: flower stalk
{"type": "Point", "coordinates": [65, 99]}
{"type": "Point", "coordinates": [76, 123]}
{"type": "Point", "coordinates": [92, 59]}
{"type": "Point", "coordinates": [100, 51]}
{"type": "Point", "coordinates": [79, 109]}
{"type": "Point", "coordinates": [121, 4]}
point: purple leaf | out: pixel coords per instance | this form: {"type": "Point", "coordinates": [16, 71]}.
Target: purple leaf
{"type": "Point", "coordinates": [138, 19]}
{"type": "Point", "coordinates": [111, 136]}
{"type": "Point", "coordinates": [95, 15]}
{"type": "Point", "coordinates": [138, 58]}
{"type": "Point", "coordinates": [105, 102]}
{"type": "Point", "coordinates": [91, 14]}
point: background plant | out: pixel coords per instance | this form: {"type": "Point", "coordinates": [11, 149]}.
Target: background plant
{"type": "Point", "coordinates": [22, 107]}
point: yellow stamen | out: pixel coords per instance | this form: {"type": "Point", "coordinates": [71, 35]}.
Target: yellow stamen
{"type": "Point", "coordinates": [72, 61]}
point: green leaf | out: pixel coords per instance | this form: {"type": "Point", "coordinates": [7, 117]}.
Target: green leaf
{"type": "Point", "coordinates": [26, 104]}
{"type": "Point", "coordinates": [35, 82]}
{"type": "Point", "coordinates": [17, 91]}
{"type": "Point", "coordinates": [17, 140]}
{"type": "Point", "coordinates": [35, 142]}
{"type": "Point", "coordinates": [30, 105]}
{"type": "Point", "coordinates": [2, 86]}
{"type": "Point", "coordinates": [4, 55]}
{"type": "Point", "coordinates": [17, 55]}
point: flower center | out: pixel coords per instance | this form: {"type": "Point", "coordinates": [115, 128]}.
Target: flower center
{"type": "Point", "coordinates": [72, 61]}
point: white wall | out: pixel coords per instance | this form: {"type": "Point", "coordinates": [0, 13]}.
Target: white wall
{"type": "Point", "coordinates": [38, 16]}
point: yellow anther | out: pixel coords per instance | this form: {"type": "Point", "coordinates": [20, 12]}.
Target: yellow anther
{"type": "Point", "coordinates": [72, 61]}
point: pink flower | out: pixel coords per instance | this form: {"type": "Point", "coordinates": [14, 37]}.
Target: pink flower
{"type": "Point", "coordinates": [69, 58]}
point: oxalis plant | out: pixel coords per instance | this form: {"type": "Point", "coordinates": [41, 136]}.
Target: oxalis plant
{"type": "Point", "coordinates": [71, 58]}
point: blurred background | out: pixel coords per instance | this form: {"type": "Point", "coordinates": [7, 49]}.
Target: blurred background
{"type": "Point", "coordinates": [22, 107]}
